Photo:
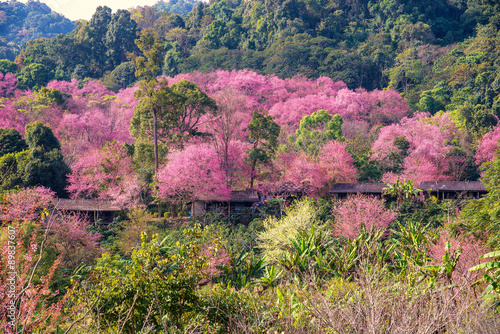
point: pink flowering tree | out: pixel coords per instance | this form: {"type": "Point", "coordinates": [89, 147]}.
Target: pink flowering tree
{"type": "Point", "coordinates": [359, 210]}
{"type": "Point", "coordinates": [8, 83]}
{"type": "Point", "coordinates": [70, 237]}
{"type": "Point", "coordinates": [236, 167]}
{"type": "Point", "coordinates": [26, 204]}
{"type": "Point", "coordinates": [420, 145]}
{"type": "Point", "coordinates": [191, 174]}
{"type": "Point", "coordinates": [467, 249]}
{"type": "Point", "coordinates": [313, 175]}
{"type": "Point", "coordinates": [218, 260]}
{"type": "Point", "coordinates": [33, 297]}
{"type": "Point", "coordinates": [229, 124]}
{"type": "Point", "coordinates": [303, 171]}
{"type": "Point", "coordinates": [487, 146]}
{"type": "Point", "coordinates": [337, 163]}
{"type": "Point", "coordinates": [38, 306]}
{"type": "Point", "coordinates": [12, 117]}
{"type": "Point", "coordinates": [81, 118]}
{"type": "Point", "coordinates": [106, 174]}
{"type": "Point", "coordinates": [96, 116]}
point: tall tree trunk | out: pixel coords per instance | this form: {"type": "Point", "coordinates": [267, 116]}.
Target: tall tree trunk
{"type": "Point", "coordinates": [155, 135]}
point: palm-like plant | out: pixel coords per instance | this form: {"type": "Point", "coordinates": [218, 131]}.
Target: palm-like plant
{"type": "Point", "coordinates": [492, 276]}
{"type": "Point", "coordinates": [410, 241]}
{"type": "Point", "coordinates": [403, 191]}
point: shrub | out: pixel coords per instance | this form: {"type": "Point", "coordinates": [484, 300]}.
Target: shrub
{"type": "Point", "coordinates": [359, 210]}
{"type": "Point", "coordinates": [276, 238]}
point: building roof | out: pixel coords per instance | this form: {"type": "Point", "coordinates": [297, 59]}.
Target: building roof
{"type": "Point", "coordinates": [249, 195]}
{"type": "Point", "coordinates": [239, 196]}
{"type": "Point", "coordinates": [354, 188]}
{"type": "Point", "coordinates": [85, 205]}
{"type": "Point", "coordinates": [456, 186]}
{"type": "Point", "coordinates": [377, 188]}
{"type": "Point", "coordinates": [287, 188]}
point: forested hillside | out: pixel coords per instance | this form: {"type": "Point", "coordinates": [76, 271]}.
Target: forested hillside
{"type": "Point", "coordinates": [21, 22]}
{"type": "Point", "coordinates": [176, 6]}
{"type": "Point", "coordinates": [176, 169]}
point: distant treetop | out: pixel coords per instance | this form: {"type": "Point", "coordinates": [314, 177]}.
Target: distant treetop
{"type": "Point", "coordinates": [21, 22]}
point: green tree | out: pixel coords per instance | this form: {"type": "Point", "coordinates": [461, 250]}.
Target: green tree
{"type": "Point", "coordinates": [263, 133]}
{"type": "Point", "coordinates": [407, 72]}
{"type": "Point", "coordinates": [11, 141]}
{"type": "Point", "coordinates": [120, 36]}
{"type": "Point", "coordinates": [34, 76]}
{"type": "Point", "coordinates": [121, 77]}
{"type": "Point", "coordinates": [80, 72]}
{"type": "Point", "coordinates": [156, 287]}
{"type": "Point", "coordinates": [11, 170]}
{"type": "Point", "coordinates": [41, 164]}
{"type": "Point", "coordinates": [97, 29]}
{"type": "Point", "coordinates": [41, 136]}
{"type": "Point", "coordinates": [398, 157]}
{"type": "Point", "coordinates": [7, 66]}
{"type": "Point", "coordinates": [170, 114]}
{"type": "Point", "coordinates": [172, 59]}
{"type": "Point", "coordinates": [482, 216]}
{"type": "Point", "coordinates": [474, 120]}
{"type": "Point", "coordinates": [147, 68]}
{"type": "Point", "coordinates": [317, 129]}
{"type": "Point", "coordinates": [435, 99]}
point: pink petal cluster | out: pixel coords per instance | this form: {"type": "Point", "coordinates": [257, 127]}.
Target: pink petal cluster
{"type": "Point", "coordinates": [471, 250]}
{"type": "Point", "coordinates": [429, 138]}
{"type": "Point", "coordinates": [359, 210]}
{"type": "Point", "coordinates": [332, 165]}
{"type": "Point", "coordinates": [487, 147]}
{"type": "Point", "coordinates": [8, 83]}
{"type": "Point", "coordinates": [193, 173]}
{"type": "Point", "coordinates": [105, 174]}
{"type": "Point", "coordinates": [26, 204]}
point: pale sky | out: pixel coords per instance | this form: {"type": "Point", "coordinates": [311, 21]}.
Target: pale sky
{"type": "Point", "coordinates": [83, 9]}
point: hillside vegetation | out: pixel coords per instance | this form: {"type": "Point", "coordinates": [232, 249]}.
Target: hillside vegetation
{"type": "Point", "coordinates": [173, 121]}
{"type": "Point", "coordinates": [20, 23]}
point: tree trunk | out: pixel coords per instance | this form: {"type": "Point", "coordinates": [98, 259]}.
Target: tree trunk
{"type": "Point", "coordinates": [155, 135]}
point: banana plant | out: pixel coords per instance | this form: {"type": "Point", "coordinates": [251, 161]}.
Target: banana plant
{"type": "Point", "coordinates": [409, 250]}
{"type": "Point", "coordinates": [302, 257]}
{"type": "Point", "coordinates": [271, 277]}
{"type": "Point", "coordinates": [289, 306]}
{"type": "Point", "coordinates": [444, 269]}
{"type": "Point", "coordinates": [491, 276]}
{"type": "Point", "coordinates": [249, 268]}
{"type": "Point", "coordinates": [403, 191]}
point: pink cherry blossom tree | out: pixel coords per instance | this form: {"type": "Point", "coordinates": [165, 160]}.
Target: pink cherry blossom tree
{"type": "Point", "coordinates": [312, 174]}
{"type": "Point", "coordinates": [358, 210]}
{"type": "Point", "coordinates": [426, 157]}
{"type": "Point", "coordinates": [106, 174]}
{"type": "Point", "coordinates": [8, 83]}
{"type": "Point", "coordinates": [469, 249]}
{"type": "Point", "coordinates": [26, 204]}
{"type": "Point", "coordinates": [69, 235]}
{"type": "Point", "coordinates": [192, 173]}
{"type": "Point", "coordinates": [487, 146]}
{"type": "Point", "coordinates": [305, 172]}
{"type": "Point", "coordinates": [13, 118]}
{"type": "Point", "coordinates": [337, 163]}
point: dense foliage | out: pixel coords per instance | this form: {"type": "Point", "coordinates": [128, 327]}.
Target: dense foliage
{"type": "Point", "coordinates": [168, 113]}
{"type": "Point", "coordinates": [21, 22]}
{"type": "Point", "coordinates": [360, 43]}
